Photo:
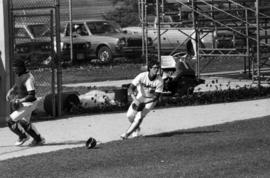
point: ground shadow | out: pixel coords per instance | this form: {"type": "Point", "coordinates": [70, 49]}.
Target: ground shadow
{"type": "Point", "coordinates": [14, 151]}
{"type": "Point", "coordinates": [26, 147]}
{"type": "Point", "coordinates": [169, 134]}
{"type": "Point", "coordinates": [48, 144]}
{"type": "Point", "coordinates": [81, 143]}
{"type": "Point", "coordinates": [65, 143]}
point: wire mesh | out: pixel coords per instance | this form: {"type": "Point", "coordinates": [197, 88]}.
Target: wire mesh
{"type": "Point", "coordinates": [32, 4]}
{"type": "Point", "coordinates": [33, 44]}
{"type": "Point", "coordinates": [33, 40]}
{"type": "Point", "coordinates": [33, 36]}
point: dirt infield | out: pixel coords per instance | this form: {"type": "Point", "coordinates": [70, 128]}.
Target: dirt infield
{"type": "Point", "coordinates": [73, 131]}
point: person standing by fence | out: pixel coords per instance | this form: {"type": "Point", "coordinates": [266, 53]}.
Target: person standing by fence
{"type": "Point", "coordinates": [22, 98]}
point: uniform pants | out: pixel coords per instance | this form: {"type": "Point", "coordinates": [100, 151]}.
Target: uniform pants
{"type": "Point", "coordinates": [137, 115]}
{"type": "Point", "coordinates": [25, 112]}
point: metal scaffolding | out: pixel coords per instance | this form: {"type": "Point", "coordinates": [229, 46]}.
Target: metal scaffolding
{"type": "Point", "coordinates": [250, 19]}
{"type": "Point", "coordinates": [211, 16]}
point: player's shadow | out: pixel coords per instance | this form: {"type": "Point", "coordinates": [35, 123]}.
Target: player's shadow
{"type": "Point", "coordinates": [80, 142]}
{"type": "Point", "coordinates": [169, 134]}
{"type": "Point", "coordinates": [13, 151]}
{"type": "Point", "coordinates": [26, 147]}
{"type": "Point", "coordinates": [49, 144]}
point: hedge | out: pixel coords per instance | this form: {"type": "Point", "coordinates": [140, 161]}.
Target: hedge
{"type": "Point", "coordinates": [197, 98]}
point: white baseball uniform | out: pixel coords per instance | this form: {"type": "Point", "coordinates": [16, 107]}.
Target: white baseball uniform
{"type": "Point", "coordinates": [146, 89]}
{"type": "Point", "coordinates": [23, 84]}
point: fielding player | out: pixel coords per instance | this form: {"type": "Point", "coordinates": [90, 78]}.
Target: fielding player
{"type": "Point", "coordinates": [145, 90]}
{"type": "Point", "coordinates": [23, 102]}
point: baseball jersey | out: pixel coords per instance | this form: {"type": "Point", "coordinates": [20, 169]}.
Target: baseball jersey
{"type": "Point", "coordinates": [23, 84]}
{"type": "Point", "coordinates": [145, 87]}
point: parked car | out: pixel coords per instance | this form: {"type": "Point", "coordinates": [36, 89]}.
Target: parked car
{"type": "Point", "coordinates": [175, 37]}
{"type": "Point", "coordinates": [32, 43]}
{"type": "Point", "coordinates": [106, 38]}
{"type": "Point", "coordinates": [81, 49]}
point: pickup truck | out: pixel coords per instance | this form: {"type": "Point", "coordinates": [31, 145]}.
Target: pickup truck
{"type": "Point", "coordinates": [105, 39]}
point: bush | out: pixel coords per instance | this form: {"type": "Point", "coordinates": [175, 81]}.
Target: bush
{"type": "Point", "coordinates": [197, 98]}
{"type": "Point", "coordinates": [211, 97]}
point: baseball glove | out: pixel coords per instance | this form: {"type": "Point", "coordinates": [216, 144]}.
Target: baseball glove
{"type": "Point", "coordinates": [15, 104]}
{"type": "Point", "coordinates": [139, 107]}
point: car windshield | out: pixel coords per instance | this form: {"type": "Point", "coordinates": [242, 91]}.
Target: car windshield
{"type": "Point", "coordinates": [102, 27]}
{"type": "Point", "coordinates": [21, 33]}
{"type": "Point", "coordinates": [39, 30]}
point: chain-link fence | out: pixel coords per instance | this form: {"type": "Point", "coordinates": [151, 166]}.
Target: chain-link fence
{"type": "Point", "coordinates": [33, 38]}
{"type": "Point", "coordinates": [32, 4]}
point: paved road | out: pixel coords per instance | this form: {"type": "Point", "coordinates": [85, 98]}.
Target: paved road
{"type": "Point", "coordinates": [73, 131]}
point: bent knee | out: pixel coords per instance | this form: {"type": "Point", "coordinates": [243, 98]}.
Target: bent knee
{"type": "Point", "coordinates": [131, 115]}
{"type": "Point", "coordinates": [130, 118]}
{"type": "Point", "coordinates": [10, 122]}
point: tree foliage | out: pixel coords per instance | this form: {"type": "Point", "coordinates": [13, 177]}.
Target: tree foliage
{"type": "Point", "coordinates": [125, 13]}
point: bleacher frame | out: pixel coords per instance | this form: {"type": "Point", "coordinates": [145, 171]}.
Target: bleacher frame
{"type": "Point", "coordinates": [247, 15]}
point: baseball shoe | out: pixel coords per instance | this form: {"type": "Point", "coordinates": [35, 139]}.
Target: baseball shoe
{"type": "Point", "coordinates": [21, 141]}
{"type": "Point", "coordinates": [124, 136]}
{"type": "Point", "coordinates": [136, 133]}
{"type": "Point", "coordinates": [37, 143]}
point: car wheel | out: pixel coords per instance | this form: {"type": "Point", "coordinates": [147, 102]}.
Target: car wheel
{"type": "Point", "coordinates": [104, 55]}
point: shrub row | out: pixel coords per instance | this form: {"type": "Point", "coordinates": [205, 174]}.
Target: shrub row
{"type": "Point", "coordinates": [198, 98]}
{"type": "Point", "coordinates": [220, 96]}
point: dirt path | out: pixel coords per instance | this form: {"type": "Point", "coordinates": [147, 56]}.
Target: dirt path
{"type": "Point", "coordinates": [73, 131]}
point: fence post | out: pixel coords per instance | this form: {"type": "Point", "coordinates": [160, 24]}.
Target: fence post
{"type": "Point", "coordinates": [4, 58]}
{"type": "Point", "coordinates": [59, 61]}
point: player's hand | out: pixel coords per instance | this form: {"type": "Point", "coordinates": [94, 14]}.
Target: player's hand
{"type": "Point", "coordinates": [8, 97]}
{"type": "Point", "coordinates": [16, 104]}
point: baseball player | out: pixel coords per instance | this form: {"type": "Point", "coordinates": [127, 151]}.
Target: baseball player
{"type": "Point", "coordinates": [23, 101]}
{"type": "Point", "coordinates": [145, 90]}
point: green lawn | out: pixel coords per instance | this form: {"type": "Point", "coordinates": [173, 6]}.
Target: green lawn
{"type": "Point", "coordinates": [238, 149]}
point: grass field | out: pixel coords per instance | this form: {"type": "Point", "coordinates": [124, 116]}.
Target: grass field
{"type": "Point", "coordinates": [238, 149]}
